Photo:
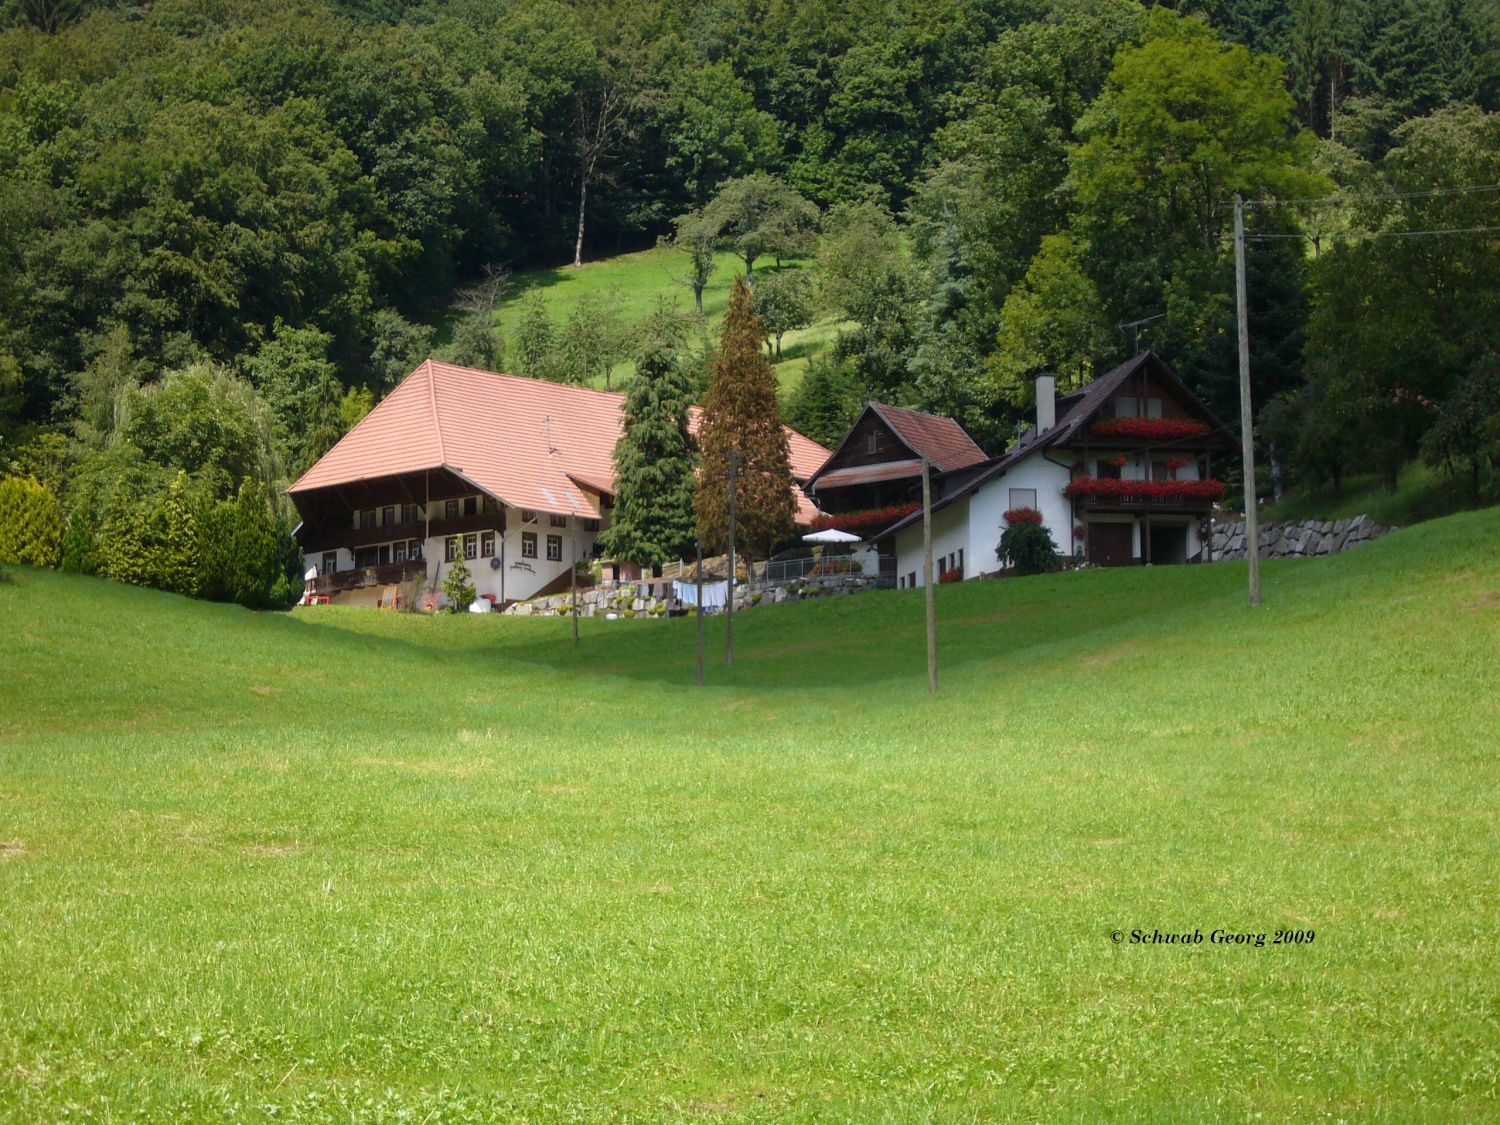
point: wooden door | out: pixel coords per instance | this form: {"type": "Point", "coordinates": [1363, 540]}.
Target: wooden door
{"type": "Point", "coordinates": [1109, 544]}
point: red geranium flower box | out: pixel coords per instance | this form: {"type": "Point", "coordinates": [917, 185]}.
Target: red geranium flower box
{"type": "Point", "coordinates": [1022, 515]}
{"type": "Point", "coordinates": [866, 522]}
{"type": "Point", "coordinates": [1104, 488]}
{"type": "Point", "coordinates": [1154, 429]}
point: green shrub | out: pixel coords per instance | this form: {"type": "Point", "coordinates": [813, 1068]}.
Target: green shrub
{"type": "Point", "coordinates": [256, 577]}
{"type": "Point", "coordinates": [31, 527]}
{"type": "Point", "coordinates": [1027, 548]}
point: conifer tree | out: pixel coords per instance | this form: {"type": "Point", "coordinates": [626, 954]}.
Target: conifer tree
{"type": "Point", "coordinates": [31, 530]}
{"type": "Point", "coordinates": [255, 556]}
{"type": "Point", "coordinates": [180, 569]}
{"type": "Point", "coordinates": [457, 585]}
{"type": "Point", "coordinates": [653, 515]}
{"type": "Point", "coordinates": [740, 416]}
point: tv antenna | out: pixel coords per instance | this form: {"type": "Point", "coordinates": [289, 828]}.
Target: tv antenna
{"type": "Point", "coordinates": [1136, 324]}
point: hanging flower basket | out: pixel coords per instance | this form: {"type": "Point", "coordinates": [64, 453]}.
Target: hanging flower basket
{"type": "Point", "coordinates": [1153, 429]}
{"type": "Point", "coordinates": [1022, 515]}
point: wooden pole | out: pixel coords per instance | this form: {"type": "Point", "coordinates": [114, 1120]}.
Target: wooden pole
{"type": "Point", "coordinates": [927, 578]}
{"type": "Point", "coordinates": [734, 472]}
{"type": "Point", "coordinates": [1247, 428]}
{"type": "Point", "coordinates": [573, 550]}
{"type": "Point", "coordinates": [699, 611]}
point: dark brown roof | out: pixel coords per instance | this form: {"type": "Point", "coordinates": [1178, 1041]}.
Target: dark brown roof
{"type": "Point", "coordinates": [941, 440]}
{"type": "Point", "coordinates": [870, 474]}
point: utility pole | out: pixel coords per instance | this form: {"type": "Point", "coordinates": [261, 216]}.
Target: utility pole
{"type": "Point", "coordinates": [734, 472]}
{"type": "Point", "coordinates": [573, 550]}
{"type": "Point", "coordinates": [1247, 428]}
{"type": "Point", "coordinates": [699, 611]}
{"type": "Point", "coordinates": [927, 583]}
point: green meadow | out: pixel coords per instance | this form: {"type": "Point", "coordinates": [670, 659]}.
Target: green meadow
{"type": "Point", "coordinates": [336, 865]}
{"type": "Point", "coordinates": [635, 284]}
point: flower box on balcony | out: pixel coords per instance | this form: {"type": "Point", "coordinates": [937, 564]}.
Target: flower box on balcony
{"type": "Point", "coordinates": [1145, 491]}
{"type": "Point", "coordinates": [866, 522]}
{"type": "Point", "coordinates": [1152, 429]}
{"type": "Point", "coordinates": [1014, 516]}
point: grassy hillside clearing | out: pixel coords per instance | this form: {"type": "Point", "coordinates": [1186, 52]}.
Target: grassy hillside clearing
{"type": "Point", "coordinates": [636, 282]}
{"type": "Point", "coordinates": [340, 865]}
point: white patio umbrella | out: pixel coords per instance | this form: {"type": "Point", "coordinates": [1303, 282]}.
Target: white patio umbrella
{"type": "Point", "coordinates": [832, 535]}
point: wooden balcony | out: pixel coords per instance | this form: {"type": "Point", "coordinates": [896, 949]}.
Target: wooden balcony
{"type": "Point", "coordinates": [331, 538]}
{"type": "Point", "coordinates": [387, 575]}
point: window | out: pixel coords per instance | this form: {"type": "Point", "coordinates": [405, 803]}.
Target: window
{"type": "Point", "coordinates": [487, 545]}
{"type": "Point", "coordinates": [414, 550]}
{"type": "Point", "coordinates": [554, 548]}
{"type": "Point", "coordinates": [1124, 407]}
{"type": "Point", "coordinates": [943, 565]}
{"type": "Point", "coordinates": [450, 548]}
{"type": "Point", "coordinates": [528, 516]}
{"type": "Point", "coordinates": [471, 546]}
{"type": "Point", "coordinates": [872, 443]}
{"type": "Point", "coordinates": [911, 580]}
{"type": "Point", "coordinates": [960, 558]}
{"type": "Point", "coordinates": [471, 505]}
{"type": "Point", "coordinates": [387, 515]}
{"type": "Point", "coordinates": [330, 563]}
{"type": "Point", "coordinates": [450, 509]}
{"type": "Point", "coordinates": [590, 525]}
{"type": "Point", "coordinates": [410, 513]}
{"type": "Point", "coordinates": [385, 554]}
{"type": "Point", "coordinates": [398, 551]}
{"type": "Point", "coordinates": [488, 504]}
{"type": "Point", "coordinates": [1153, 408]}
{"type": "Point", "coordinates": [367, 518]}
{"type": "Point", "coordinates": [1023, 498]}
{"type": "Point", "coordinates": [366, 556]}
{"type": "Point", "coordinates": [1108, 470]}
{"type": "Point", "coordinates": [528, 544]}
{"type": "Point", "coordinates": [559, 521]}
{"type": "Point", "coordinates": [1159, 471]}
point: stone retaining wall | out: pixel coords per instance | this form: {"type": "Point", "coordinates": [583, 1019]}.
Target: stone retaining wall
{"type": "Point", "coordinates": [1296, 539]}
{"type": "Point", "coordinates": [632, 600]}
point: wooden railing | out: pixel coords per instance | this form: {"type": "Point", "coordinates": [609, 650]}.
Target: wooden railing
{"type": "Point", "coordinates": [330, 538]}
{"type": "Point", "coordinates": [385, 575]}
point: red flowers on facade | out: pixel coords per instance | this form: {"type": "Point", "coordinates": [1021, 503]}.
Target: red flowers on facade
{"type": "Point", "coordinates": [865, 522]}
{"type": "Point", "coordinates": [1022, 515]}
{"type": "Point", "coordinates": [1106, 489]}
{"type": "Point", "coordinates": [1155, 429]}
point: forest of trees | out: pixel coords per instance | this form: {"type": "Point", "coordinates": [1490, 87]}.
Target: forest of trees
{"type": "Point", "coordinates": [258, 206]}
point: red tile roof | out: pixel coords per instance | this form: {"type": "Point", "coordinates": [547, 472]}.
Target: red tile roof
{"type": "Point", "coordinates": [527, 442]}
{"type": "Point", "coordinates": [941, 440]}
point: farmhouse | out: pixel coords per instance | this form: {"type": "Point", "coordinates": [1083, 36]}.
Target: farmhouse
{"type": "Point", "coordinates": [1120, 471]}
{"type": "Point", "coordinates": [518, 473]}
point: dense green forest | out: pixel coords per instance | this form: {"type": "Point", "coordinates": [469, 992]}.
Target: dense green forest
{"type": "Point", "coordinates": [227, 226]}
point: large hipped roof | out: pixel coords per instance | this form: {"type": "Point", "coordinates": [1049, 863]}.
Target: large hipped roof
{"type": "Point", "coordinates": [527, 442]}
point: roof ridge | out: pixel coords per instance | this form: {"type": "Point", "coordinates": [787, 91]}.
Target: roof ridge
{"type": "Point", "coordinates": [437, 421]}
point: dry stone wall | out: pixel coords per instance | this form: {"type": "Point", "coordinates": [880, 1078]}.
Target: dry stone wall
{"type": "Point", "coordinates": [631, 601]}
{"type": "Point", "coordinates": [1296, 539]}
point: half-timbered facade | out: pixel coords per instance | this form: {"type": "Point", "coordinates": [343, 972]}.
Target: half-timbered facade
{"type": "Point", "coordinates": [517, 473]}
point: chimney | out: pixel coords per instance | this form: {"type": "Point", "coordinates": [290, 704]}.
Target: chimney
{"type": "Point", "coordinates": [1046, 403]}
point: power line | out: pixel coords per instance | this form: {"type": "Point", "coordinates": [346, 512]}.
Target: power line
{"type": "Point", "coordinates": [1380, 198]}
{"type": "Point", "coordinates": [1383, 233]}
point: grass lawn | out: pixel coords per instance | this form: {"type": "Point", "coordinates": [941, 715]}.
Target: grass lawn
{"type": "Point", "coordinates": [339, 865]}
{"type": "Point", "coordinates": [637, 282]}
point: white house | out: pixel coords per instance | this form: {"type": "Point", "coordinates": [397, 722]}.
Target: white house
{"type": "Point", "coordinates": [1121, 472]}
{"type": "Point", "coordinates": [518, 473]}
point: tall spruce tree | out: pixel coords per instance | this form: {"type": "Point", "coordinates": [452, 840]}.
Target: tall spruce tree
{"type": "Point", "coordinates": [740, 416]}
{"type": "Point", "coordinates": [654, 460]}
{"type": "Point", "coordinates": [255, 562]}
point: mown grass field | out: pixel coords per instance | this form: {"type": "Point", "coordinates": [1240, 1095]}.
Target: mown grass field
{"type": "Point", "coordinates": [635, 283]}
{"type": "Point", "coordinates": [337, 865]}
